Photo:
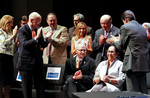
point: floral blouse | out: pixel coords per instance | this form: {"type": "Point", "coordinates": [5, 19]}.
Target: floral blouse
{"type": "Point", "coordinates": [6, 45]}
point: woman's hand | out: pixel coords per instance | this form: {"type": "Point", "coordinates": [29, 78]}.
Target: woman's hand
{"type": "Point", "coordinates": [97, 80]}
{"type": "Point", "coordinates": [15, 30]}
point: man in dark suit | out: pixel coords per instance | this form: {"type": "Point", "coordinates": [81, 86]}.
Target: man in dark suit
{"type": "Point", "coordinates": [72, 31]}
{"type": "Point", "coordinates": [30, 61]}
{"type": "Point", "coordinates": [79, 72]}
{"type": "Point", "coordinates": [133, 41]}
{"type": "Point", "coordinates": [99, 45]}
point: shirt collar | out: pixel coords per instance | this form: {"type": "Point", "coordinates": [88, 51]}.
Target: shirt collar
{"type": "Point", "coordinates": [78, 59]}
{"type": "Point", "coordinates": [110, 28]}
{"type": "Point", "coordinates": [50, 29]}
{"type": "Point", "coordinates": [29, 26]}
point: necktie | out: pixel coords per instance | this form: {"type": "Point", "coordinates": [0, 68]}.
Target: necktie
{"type": "Point", "coordinates": [78, 64]}
{"type": "Point", "coordinates": [48, 50]}
{"type": "Point", "coordinates": [33, 33]}
{"type": "Point", "coordinates": [103, 51]}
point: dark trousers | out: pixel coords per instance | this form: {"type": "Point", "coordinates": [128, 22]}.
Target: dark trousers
{"type": "Point", "coordinates": [136, 81]}
{"type": "Point", "coordinates": [72, 85]}
{"type": "Point", "coordinates": [27, 76]}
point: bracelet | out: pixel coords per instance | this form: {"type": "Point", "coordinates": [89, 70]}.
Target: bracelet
{"type": "Point", "coordinates": [109, 80]}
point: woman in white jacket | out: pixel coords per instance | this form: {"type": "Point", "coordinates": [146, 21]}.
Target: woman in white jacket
{"type": "Point", "coordinates": [108, 75]}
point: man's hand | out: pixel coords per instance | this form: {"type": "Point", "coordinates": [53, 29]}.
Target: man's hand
{"type": "Point", "coordinates": [113, 39]}
{"type": "Point", "coordinates": [78, 75]}
{"type": "Point", "coordinates": [102, 39]}
{"type": "Point", "coordinates": [49, 35]}
{"type": "Point", "coordinates": [39, 33]}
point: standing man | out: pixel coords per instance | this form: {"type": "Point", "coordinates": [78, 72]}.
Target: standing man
{"type": "Point", "coordinates": [133, 41]}
{"type": "Point", "coordinates": [99, 45]}
{"type": "Point", "coordinates": [79, 72]}
{"type": "Point", "coordinates": [30, 61]}
{"type": "Point", "coordinates": [72, 31]}
{"type": "Point", "coordinates": [55, 52]}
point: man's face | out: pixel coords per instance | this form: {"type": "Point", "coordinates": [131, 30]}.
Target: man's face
{"type": "Point", "coordinates": [76, 20]}
{"type": "Point", "coordinates": [52, 21]}
{"type": "Point", "coordinates": [105, 24]}
{"type": "Point", "coordinates": [23, 22]}
{"type": "Point", "coordinates": [36, 22]}
{"type": "Point", "coordinates": [81, 51]}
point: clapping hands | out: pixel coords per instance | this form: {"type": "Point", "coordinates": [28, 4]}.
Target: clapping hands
{"type": "Point", "coordinates": [78, 75]}
{"type": "Point", "coordinates": [48, 35]}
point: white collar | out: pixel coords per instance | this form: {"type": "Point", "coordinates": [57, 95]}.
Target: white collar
{"type": "Point", "coordinates": [30, 27]}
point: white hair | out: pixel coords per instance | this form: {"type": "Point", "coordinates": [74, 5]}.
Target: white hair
{"type": "Point", "coordinates": [34, 15]}
{"type": "Point", "coordinates": [146, 24]}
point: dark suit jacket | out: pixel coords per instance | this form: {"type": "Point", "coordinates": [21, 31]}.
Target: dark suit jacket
{"type": "Point", "coordinates": [133, 39]}
{"type": "Point", "coordinates": [97, 49]}
{"type": "Point", "coordinates": [29, 51]}
{"type": "Point", "coordinates": [87, 67]}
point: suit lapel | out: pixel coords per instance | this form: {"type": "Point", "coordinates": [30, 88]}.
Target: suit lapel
{"type": "Point", "coordinates": [74, 62]}
{"type": "Point", "coordinates": [28, 31]}
{"type": "Point", "coordinates": [84, 61]}
{"type": "Point", "coordinates": [57, 30]}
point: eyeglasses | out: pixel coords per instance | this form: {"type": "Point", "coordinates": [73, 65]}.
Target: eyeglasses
{"type": "Point", "coordinates": [76, 20]}
{"type": "Point", "coordinates": [110, 51]}
{"type": "Point", "coordinates": [82, 50]}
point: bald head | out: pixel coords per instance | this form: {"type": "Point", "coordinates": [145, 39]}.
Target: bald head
{"type": "Point", "coordinates": [34, 20]}
{"type": "Point", "coordinates": [106, 22]}
{"type": "Point", "coordinates": [106, 17]}
{"type": "Point", "coordinates": [81, 50]}
{"type": "Point", "coordinates": [34, 15]}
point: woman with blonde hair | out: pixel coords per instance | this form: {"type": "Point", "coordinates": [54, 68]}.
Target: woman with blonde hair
{"type": "Point", "coordinates": [6, 54]}
{"type": "Point", "coordinates": [81, 37]}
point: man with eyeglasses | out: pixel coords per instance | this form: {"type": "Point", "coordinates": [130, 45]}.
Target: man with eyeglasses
{"type": "Point", "coordinates": [23, 20]}
{"type": "Point", "coordinates": [79, 72]}
{"type": "Point", "coordinates": [72, 31]}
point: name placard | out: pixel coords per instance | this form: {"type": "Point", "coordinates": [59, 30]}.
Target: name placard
{"type": "Point", "coordinates": [53, 73]}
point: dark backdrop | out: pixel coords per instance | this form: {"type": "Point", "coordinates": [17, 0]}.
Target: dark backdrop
{"type": "Point", "coordinates": [65, 9]}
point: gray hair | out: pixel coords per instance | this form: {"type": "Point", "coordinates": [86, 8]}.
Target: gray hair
{"type": "Point", "coordinates": [146, 24]}
{"type": "Point", "coordinates": [80, 15]}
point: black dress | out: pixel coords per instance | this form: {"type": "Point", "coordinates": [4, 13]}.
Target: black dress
{"type": "Point", "coordinates": [6, 69]}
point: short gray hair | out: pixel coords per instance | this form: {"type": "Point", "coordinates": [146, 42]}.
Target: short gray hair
{"type": "Point", "coordinates": [80, 15]}
{"type": "Point", "coordinates": [146, 24]}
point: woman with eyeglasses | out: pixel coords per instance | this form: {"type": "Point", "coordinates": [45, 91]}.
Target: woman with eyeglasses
{"type": "Point", "coordinates": [108, 74]}
{"type": "Point", "coordinates": [6, 54]}
{"type": "Point", "coordinates": [81, 37]}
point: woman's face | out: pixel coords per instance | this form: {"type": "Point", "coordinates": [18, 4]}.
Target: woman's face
{"type": "Point", "coordinates": [111, 54]}
{"type": "Point", "coordinates": [81, 30]}
{"type": "Point", "coordinates": [10, 24]}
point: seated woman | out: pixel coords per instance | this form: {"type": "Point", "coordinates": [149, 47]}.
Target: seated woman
{"type": "Point", "coordinates": [108, 74]}
{"type": "Point", "coordinates": [81, 37]}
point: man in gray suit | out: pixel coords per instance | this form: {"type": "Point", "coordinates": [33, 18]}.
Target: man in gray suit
{"type": "Point", "coordinates": [99, 45]}
{"type": "Point", "coordinates": [133, 41]}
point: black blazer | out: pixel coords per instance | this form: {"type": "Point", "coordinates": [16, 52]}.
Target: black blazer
{"type": "Point", "coordinates": [87, 67]}
{"type": "Point", "coordinates": [97, 49]}
{"type": "Point", "coordinates": [29, 49]}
